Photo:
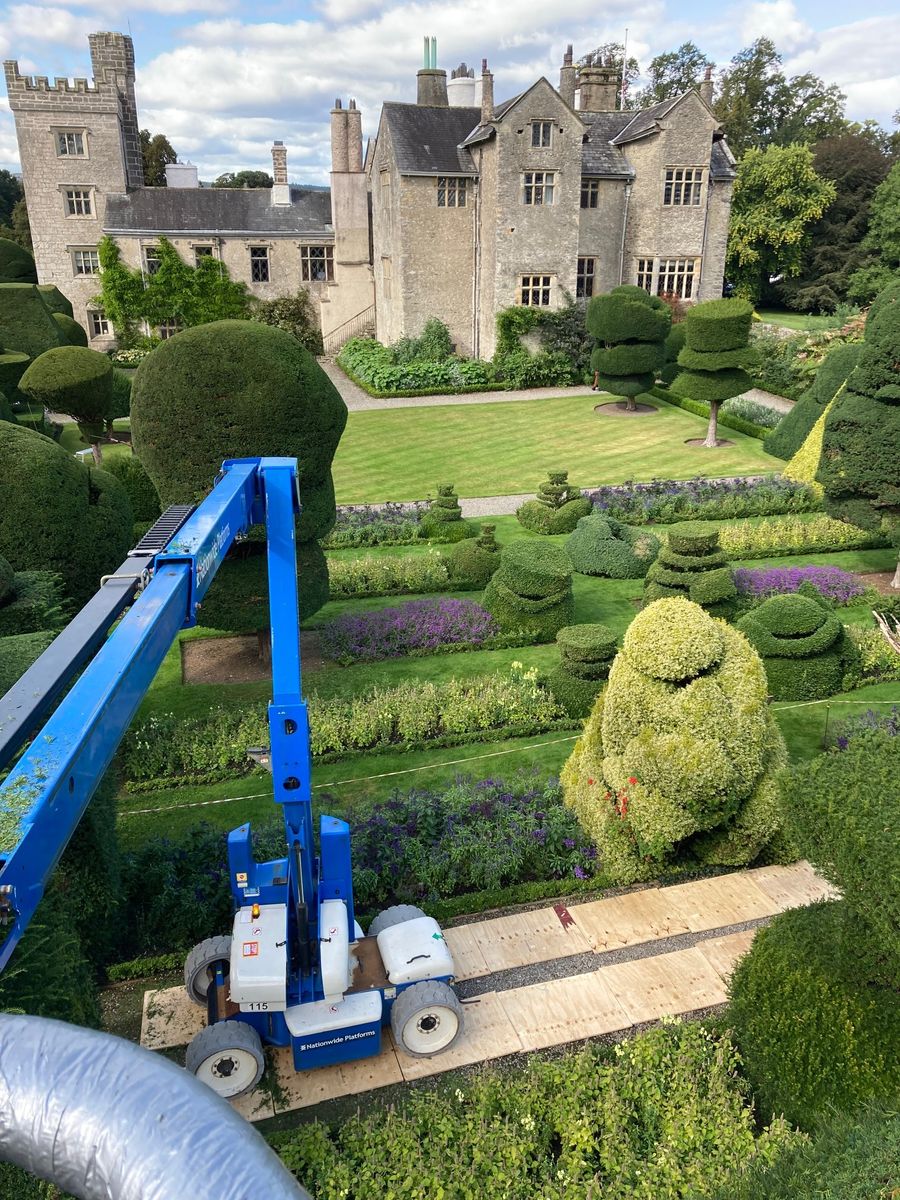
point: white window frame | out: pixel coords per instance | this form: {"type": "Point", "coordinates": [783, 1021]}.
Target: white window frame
{"type": "Point", "coordinates": [98, 323]}
{"type": "Point", "coordinates": [82, 255]}
{"type": "Point", "coordinates": [78, 202]}
{"type": "Point", "coordinates": [311, 264]}
{"type": "Point", "coordinates": [682, 187]}
{"type": "Point", "coordinates": [644, 273]}
{"type": "Point", "coordinates": [149, 256]}
{"type": "Point", "coordinates": [451, 191]}
{"type": "Point", "coordinates": [259, 255]}
{"type": "Point", "coordinates": [61, 138]}
{"type": "Point", "coordinates": [537, 188]}
{"type": "Point", "coordinates": [541, 134]}
{"type": "Point", "coordinates": [536, 290]}
{"type": "Point", "coordinates": [677, 277]}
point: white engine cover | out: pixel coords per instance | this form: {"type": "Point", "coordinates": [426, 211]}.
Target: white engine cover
{"type": "Point", "coordinates": [334, 949]}
{"type": "Point", "coordinates": [319, 1016]}
{"type": "Point", "coordinates": [259, 959]}
{"type": "Point", "coordinates": [415, 950]}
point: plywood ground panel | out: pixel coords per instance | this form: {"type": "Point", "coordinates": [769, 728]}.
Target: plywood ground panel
{"type": "Point", "coordinates": [665, 984]}
{"type": "Point", "coordinates": [488, 1033]}
{"type": "Point", "coordinates": [467, 957]}
{"type": "Point", "coordinates": [169, 1019]}
{"type": "Point", "coordinates": [299, 1089]}
{"type": "Point", "coordinates": [722, 953]}
{"type": "Point", "coordinates": [563, 1010]}
{"type": "Point", "coordinates": [629, 920]}
{"type": "Point", "coordinates": [723, 900]}
{"type": "Point", "coordinates": [793, 886]}
{"type": "Point", "coordinates": [256, 1105]}
{"type": "Point", "coordinates": [529, 937]}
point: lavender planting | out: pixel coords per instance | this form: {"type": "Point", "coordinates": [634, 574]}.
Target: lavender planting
{"type": "Point", "coordinates": [843, 732]}
{"type": "Point", "coordinates": [419, 625]}
{"type": "Point", "coordinates": [842, 587]}
{"type": "Point", "coordinates": [669, 500]}
{"type": "Point", "coordinates": [368, 525]}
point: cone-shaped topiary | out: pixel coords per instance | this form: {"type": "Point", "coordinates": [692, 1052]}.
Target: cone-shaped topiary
{"type": "Point", "coordinates": [26, 323]}
{"type": "Point", "coordinates": [60, 515]}
{"type": "Point", "coordinates": [16, 264]}
{"type": "Point", "coordinates": [474, 561]}
{"type": "Point", "coordinates": [531, 590]}
{"type": "Point", "coordinates": [716, 346]}
{"type": "Point", "coordinates": [632, 331]}
{"type": "Point", "coordinates": [604, 546]}
{"type": "Point", "coordinates": [680, 751]}
{"type": "Point", "coordinates": [794, 427]}
{"type": "Point", "coordinates": [75, 381]}
{"type": "Point", "coordinates": [444, 517]}
{"type": "Point", "coordinates": [861, 442]}
{"type": "Point", "coordinates": [586, 653]}
{"type": "Point", "coordinates": [804, 647]}
{"type": "Point", "coordinates": [692, 565]}
{"type": "Point", "coordinates": [74, 333]}
{"type": "Point", "coordinates": [558, 506]}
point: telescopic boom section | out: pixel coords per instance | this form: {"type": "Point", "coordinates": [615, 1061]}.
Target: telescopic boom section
{"type": "Point", "coordinates": [47, 791]}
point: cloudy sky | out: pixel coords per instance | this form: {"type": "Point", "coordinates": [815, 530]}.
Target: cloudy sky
{"type": "Point", "coordinates": [223, 78]}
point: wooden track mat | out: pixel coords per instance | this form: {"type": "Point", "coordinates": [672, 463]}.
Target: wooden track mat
{"type": "Point", "coordinates": [554, 1012]}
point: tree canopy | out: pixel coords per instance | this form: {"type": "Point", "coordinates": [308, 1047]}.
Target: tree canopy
{"type": "Point", "coordinates": [881, 244]}
{"type": "Point", "coordinates": [777, 197]}
{"type": "Point", "coordinates": [156, 151]}
{"type": "Point", "coordinates": [673, 73]}
{"type": "Point", "coordinates": [242, 179]}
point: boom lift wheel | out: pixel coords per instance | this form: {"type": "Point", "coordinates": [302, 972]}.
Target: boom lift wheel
{"type": "Point", "coordinates": [228, 1057]}
{"type": "Point", "coordinates": [426, 1019]}
{"type": "Point", "coordinates": [395, 915]}
{"type": "Point", "coordinates": [203, 956]}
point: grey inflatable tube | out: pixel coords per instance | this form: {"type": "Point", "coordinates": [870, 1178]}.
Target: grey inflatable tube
{"type": "Point", "coordinates": [104, 1119]}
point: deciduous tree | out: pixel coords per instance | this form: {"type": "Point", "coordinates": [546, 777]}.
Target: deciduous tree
{"type": "Point", "coordinates": [156, 151]}
{"type": "Point", "coordinates": [882, 242]}
{"type": "Point", "coordinates": [244, 179]}
{"type": "Point", "coordinates": [673, 73]}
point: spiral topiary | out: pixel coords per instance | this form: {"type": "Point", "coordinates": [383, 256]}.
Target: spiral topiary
{"type": "Point", "coordinates": [444, 517]}
{"type": "Point", "coordinates": [586, 653]}
{"type": "Point", "coordinates": [680, 753]}
{"type": "Point", "coordinates": [604, 546]}
{"type": "Point", "coordinates": [474, 561]}
{"type": "Point", "coordinates": [531, 591]}
{"type": "Point", "coordinates": [692, 565]}
{"type": "Point", "coordinates": [631, 330]}
{"type": "Point", "coordinates": [557, 508]}
{"type": "Point", "coordinates": [804, 647]}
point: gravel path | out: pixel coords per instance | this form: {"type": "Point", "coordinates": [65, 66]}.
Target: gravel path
{"type": "Point", "coordinates": [769, 399]}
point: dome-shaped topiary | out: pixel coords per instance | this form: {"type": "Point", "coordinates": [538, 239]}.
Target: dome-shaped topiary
{"type": "Point", "coordinates": [26, 323]}
{"type": "Point", "coordinates": [531, 590]}
{"type": "Point", "coordinates": [603, 546]}
{"type": "Point", "coordinates": [558, 507]}
{"type": "Point", "coordinates": [16, 264]}
{"type": "Point", "coordinates": [58, 514]}
{"type": "Point", "coordinates": [586, 653]}
{"type": "Point", "coordinates": [474, 561]}
{"type": "Point", "coordinates": [75, 381]}
{"type": "Point", "coordinates": [74, 333]}
{"type": "Point", "coordinates": [692, 565]}
{"type": "Point", "coordinates": [680, 751]}
{"type": "Point", "coordinates": [804, 647]}
{"type": "Point", "coordinates": [12, 368]}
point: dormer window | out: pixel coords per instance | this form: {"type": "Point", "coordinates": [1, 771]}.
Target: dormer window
{"type": "Point", "coordinates": [541, 134]}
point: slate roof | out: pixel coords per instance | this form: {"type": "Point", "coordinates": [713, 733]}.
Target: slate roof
{"type": "Point", "coordinates": [720, 165]}
{"type": "Point", "coordinates": [644, 121]}
{"type": "Point", "coordinates": [426, 139]}
{"type": "Point", "coordinates": [218, 210]}
{"type": "Point", "coordinates": [599, 156]}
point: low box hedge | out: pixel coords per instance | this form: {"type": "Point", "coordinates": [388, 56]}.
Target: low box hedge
{"type": "Point", "coordinates": [699, 409]}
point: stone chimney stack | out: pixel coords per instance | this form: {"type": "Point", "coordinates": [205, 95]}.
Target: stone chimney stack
{"type": "Point", "coordinates": [567, 76]}
{"type": "Point", "coordinates": [599, 86]}
{"type": "Point", "coordinates": [487, 94]}
{"type": "Point", "coordinates": [706, 87]}
{"type": "Point", "coordinates": [340, 158]}
{"type": "Point", "coordinates": [281, 191]}
{"type": "Point", "coordinates": [431, 84]}
{"type": "Point", "coordinates": [354, 138]}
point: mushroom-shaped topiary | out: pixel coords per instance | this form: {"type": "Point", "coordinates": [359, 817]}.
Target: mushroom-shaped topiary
{"type": "Point", "coordinates": [680, 752]}
{"type": "Point", "coordinates": [58, 514]}
{"type": "Point", "coordinates": [26, 323]}
{"type": "Point", "coordinates": [474, 561]}
{"type": "Point", "coordinates": [631, 330]}
{"type": "Point", "coordinates": [586, 653]}
{"type": "Point", "coordinates": [692, 565]}
{"type": "Point", "coordinates": [74, 333]}
{"type": "Point", "coordinates": [804, 647]}
{"type": "Point", "coordinates": [444, 519]}
{"type": "Point", "coordinates": [717, 334]}
{"type": "Point", "coordinates": [531, 590]}
{"type": "Point", "coordinates": [16, 264]}
{"type": "Point", "coordinates": [604, 546]}
{"type": "Point", "coordinates": [558, 506]}
{"type": "Point", "coordinates": [75, 381]}
{"type": "Point", "coordinates": [235, 389]}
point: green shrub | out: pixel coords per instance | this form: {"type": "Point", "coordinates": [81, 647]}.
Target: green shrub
{"type": "Point", "coordinates": [853, 1157]}
{"type": "Point", "coordinates": [531, 590]}
{"type": "Point", "coordinates": [381, 370]}
{"type": "Point", "coordinates": [586, 653]}
{"type": "Point", "coordinates": [712, 358]}
{"type": "Point", "coordinates": [295, 314]}
{"type": "Point", "coordinates": [718, 325]}
{"type": "Point", "coordinates": [16, 264]}
{"type": "Point", "coordinates": [789, 535]}
{"type": "Point", "coordinates": [680, 754]}
{"type": "Point", "coordinates": [75, 381]}
{"type": "Point", "coordinates": [382, 575]}
{"type": "Point", "coordinates": [813, 1036]}
{"type": "Point", "coordinates": [7, 582]}
{"type": "Point", "coordinates": [877, 661]}
{"type": "Point", "coordinates": [55, 300]}
{"type": "Point", "coordinates": [12, 368]}
{"type": "Point", "coordinates": [26, 323]}
{"type": "Point", "coordinates": [744, 409]}
{"type": "Point", "coordinates": [17, 653]}
{"type": "Point", "coordinates": [61, 516]}
{"type": "Point", "coordinates": [74, 333]}
{"type": "Point", "coordinates": [557, 509]}
{"type": "Point", "coordinates": [129, 470]}
{"type": "Point", "coordinates": [692, 565]}
{"type": "Point", "coordinates": [620, 317]}
{"type": "Point", "coordinates": [603, 546]}
{"type": "Point", "coordinates": [444, 517]}
{"type": "Point", "coordinates": [472, 562]}
{"type": "Point", "coordinates": [121, 395]}
{"type": "Point", "coordinates": [804, 648]}
{"type": "Point", "coordinates": [794, 428]}
{"type": "Point", "coordinates": [35, 602]}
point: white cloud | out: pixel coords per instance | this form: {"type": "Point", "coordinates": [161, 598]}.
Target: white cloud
{"type": "Point", "coordinates": [775, 19]}
{"type": "Point", "coordinates": [30, 22]}
{"type": "Point", "coordinates": [169, 7]}
{"type": "Point", "coordinates": [862, 59]}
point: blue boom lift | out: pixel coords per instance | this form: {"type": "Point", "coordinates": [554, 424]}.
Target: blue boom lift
{"type": "Point", "coordinates": [296, 969]}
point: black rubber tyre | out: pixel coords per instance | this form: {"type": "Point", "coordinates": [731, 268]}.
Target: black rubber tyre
{"type": "Point", "coordinates": [395, 915]}
{"type": "Point", "coordinates": [203, 955]}
{"type": "Point", "coordinates": [228, 1057]}
{"type": "Point", "coordinates": [426, 1019]}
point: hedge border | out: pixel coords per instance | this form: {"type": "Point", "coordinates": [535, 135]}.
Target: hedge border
{"type": "Point", "coordinates": [699, 409]}
{"type": "Point", "coordinates": [457, 391]}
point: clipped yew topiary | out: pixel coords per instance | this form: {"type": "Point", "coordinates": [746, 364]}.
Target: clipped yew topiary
{"type": "Point", "coordinates": [58, 514]}
{"type": "Point", "coordinates": [558, 507]}
{"type": "Point", "coordinates": [74, 333]}
{"type": "Point", "coordinates": [674, 345]}
{"type": "Point", "coordinates": [16, 264]}
{"type": "Point", "coordinates": [55, 300]}
{"type": "Point", "coordinates": [129, 470]}
{"type": "Point", "coordinates": [692, 565]}
{"type": "Point", "coordinates": [794, 427]}
{"type": "Point", "coordinates": [444, 517]}
{"type": "Point", "coordinates": [12, 368]}
{"type": "Point", "coordinates": [717, 334]}
{"type": "Point", "coordinates": [631, 331]}
{"type": "Point", "coordinates": [585, 657]}
{"type": "Point", "coordinates": [604, 546]}
{"type": "Point", "coordinates": [804, 647]}
{"type": "Point", "coordinates": [474, 561]}
{"type": "Point", "coordinates": [26, 323]}
{"type": "Point", "coordinates": [680, 754]}
{"type": "Point", "coordinates": [531, 591]}
{"type": "Point", "coordinates": [75, 381]}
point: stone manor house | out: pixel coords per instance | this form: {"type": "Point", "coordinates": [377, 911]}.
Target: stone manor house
{"type": "Point", "coordinates": [460, 207]}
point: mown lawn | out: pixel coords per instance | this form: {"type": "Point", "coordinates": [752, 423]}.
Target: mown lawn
{"type": "Point", "coordinates": [804, 322]}
{"type": "Point", "coordinates": [508, 448]}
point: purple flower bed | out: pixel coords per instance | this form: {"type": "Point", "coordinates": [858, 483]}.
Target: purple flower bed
{"type": "Point", "coordinates": [830, 582]}
{"type": "Point", "coordinates": [869, 721]}
{"type": "Point", "coordinates": [374, 525]}
{"type": "Point", "coordinates": [416, 625]}
{"type": "Point", "coordinates": [668, 500]}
